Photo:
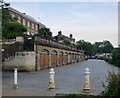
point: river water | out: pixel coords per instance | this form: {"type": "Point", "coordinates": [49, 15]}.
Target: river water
{"type": "Point", "coordinates": [68, 79]}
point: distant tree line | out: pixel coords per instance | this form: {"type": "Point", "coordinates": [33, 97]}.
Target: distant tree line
{"type": "Point", "coordinates": [92, 49]}
{"type": "Point", "coordinates": [89, 48]}
{"type": "Point", "coordinates": [104, 47]}
{"type": "Point", "coordinates": [100, 47]}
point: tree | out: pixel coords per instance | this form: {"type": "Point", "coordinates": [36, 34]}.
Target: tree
{"type": "Point", "coordinates": [5, 16]}
{"type": "Point", "coordinates": [12, 30]}
{"type": "Point", "coordinates": [104, 47]}
{"type": "Point", "coordinates": [66, 42]}
{"type": "Point", "coordinates": [107, 47]}
{"type": "Point", "coordinates": [98, 46]}
{"type": "Point", "coordinates": [45, 32]}
{"type": "Point", "coordinates": [87, 47]}
{"type": "Point", "coordinates": [73, 45]}
{"type": "Point", "coordinates": [116, 57]}
{"type": "Point", "coordinates": [94, 50]}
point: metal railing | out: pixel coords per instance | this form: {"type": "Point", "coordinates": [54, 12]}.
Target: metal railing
{"type": "Point", "coordinates": [52, 43]}
{"type": "Point", "coordinates": [7, 40]}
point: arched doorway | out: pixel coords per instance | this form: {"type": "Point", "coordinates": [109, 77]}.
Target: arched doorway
{"type": "Point", "coordinates": [53, 58]}
{"type": "Point", "coordinates": [75, 59]}
{"type": "Point", "coordinates": [69, 58]}
{"type": "Point", "coordinates": [44, 59]}
{"type": "Point", "coordinates": [60, 58]}
{"type": "Point", "coordinates": [65, 58]}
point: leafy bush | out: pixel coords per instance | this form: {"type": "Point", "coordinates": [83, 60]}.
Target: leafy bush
{"type": "Point", "coordinates": [113, 87]}
{"type": "Point", "coordinates": [13, 29]}
{"type": "Point", "coordinates": [66, 42]}
{"type": "Point", "coordinates": [116, 57]}
{"type": "Point", "coordinates": [110, 61]}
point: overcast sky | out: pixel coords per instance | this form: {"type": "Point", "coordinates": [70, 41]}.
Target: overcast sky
{"type": "Point", "coordinates": [91, 21]}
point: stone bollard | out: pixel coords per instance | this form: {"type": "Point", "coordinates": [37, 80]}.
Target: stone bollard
{"type": "Point", "coordinates": [86, 88]}
{"type": "Point", "coordinates": [15, 78]}
{"type": "Point", "coordinates": [51, 81]}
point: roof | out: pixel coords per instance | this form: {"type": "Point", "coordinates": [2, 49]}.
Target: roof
{"type": "Point", "coordinates": [23, 14]}
{"type": "Point", "coordinates": [41, 24]}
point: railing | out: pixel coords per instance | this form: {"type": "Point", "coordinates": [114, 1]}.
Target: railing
{"type": "Point", "coordinates": [7, 40]}
{"type": "Point", "coordinates": [53, 43]}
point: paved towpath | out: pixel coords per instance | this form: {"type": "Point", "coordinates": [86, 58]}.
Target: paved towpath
{"type": "Point", "coordinates": [68, 79]}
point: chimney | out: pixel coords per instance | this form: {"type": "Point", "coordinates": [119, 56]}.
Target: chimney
{"type": "Point", "coordinates": [59, 33]}
{"type": "Point", "coordinates": [71, 36]}
{"type": "Point", "coordinates": [24, 13]}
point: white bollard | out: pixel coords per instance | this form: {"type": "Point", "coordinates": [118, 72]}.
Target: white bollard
{"type": "Point", "coordinates": [15, 78]}
{"type": "Point", "coordinates": [51, 81]}
{"type": "Point", "coordinates": [86, 88]}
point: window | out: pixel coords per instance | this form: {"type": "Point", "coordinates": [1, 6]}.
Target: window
{"type": "Point", "coordinates": [19, 19]}
{"type": "Point", "coordinates": [28, 33]}
{"type": "Point", "coordinates": [32, 33]}
{"type": "Point", "coordinates": [40, 26]}
{"type": "Point", "coordinates": [32, 25]}
{"type": "Point", "coordinates": [36, 27]}
{"type": "Point", "coordinates": [24, 21]}
{"type": "Point", "coordinates": [35, 32]}
{"type": "Point", "coordinates": [28, 24]}
{"type": "Point", "coordinates": [13, 15]}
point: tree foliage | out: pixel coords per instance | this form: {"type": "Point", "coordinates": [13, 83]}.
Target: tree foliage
{"type": "Point", "coordinates": [92, 49]}
{"type": "Point", "coordinates": [5, 16]}
{"type": "Point", "coordinates": [89, 48]}
{"type": "Point", "coordinates": [116, 57]}
{"type": "Point", "coordinates": [66, 42]}
{"type": "Point", "coordinates": [13, 29]}
{"type": "Point", "coordinates": [45, 32]}
{"type": "Point", "coordinates": [104, 47]}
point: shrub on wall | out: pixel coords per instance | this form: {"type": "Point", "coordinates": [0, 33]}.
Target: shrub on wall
{"type": "Point", "coordinates": [13, 29]}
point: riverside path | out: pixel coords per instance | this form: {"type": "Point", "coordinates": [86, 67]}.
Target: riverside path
{"type": "Point", "coordinates": [68, 79]}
